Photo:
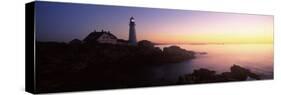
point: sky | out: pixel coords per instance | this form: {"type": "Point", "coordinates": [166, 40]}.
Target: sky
{"type": "Point", "coordinates": [63, 22]}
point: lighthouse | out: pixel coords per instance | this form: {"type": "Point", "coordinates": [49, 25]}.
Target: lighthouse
{"type": "Point", "coordinates": [132, 32]}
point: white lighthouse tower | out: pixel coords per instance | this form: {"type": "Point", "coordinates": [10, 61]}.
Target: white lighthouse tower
{"type": "Point", "coordinates": [132, 32]}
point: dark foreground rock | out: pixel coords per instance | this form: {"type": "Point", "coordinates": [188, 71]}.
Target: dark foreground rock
{"type": "Point", "coordinates": [82, 66]}
{"type": "Point", "coordinates": [208, 76]}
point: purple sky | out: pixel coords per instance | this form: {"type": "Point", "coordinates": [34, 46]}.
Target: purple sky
{"type": "Point", "coordinates": [65, 21]}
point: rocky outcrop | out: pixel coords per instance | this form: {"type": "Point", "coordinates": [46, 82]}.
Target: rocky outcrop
{"type": "Point", "coordinates": [208, 76]}
{"type": "Point", "coordinates": [175, 53]}
{"type": "Point", "coordinates": [62, 66]}
{"type": "Point", "coordinates": [239, 73]}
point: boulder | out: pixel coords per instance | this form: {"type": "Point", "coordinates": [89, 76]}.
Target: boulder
{"type": "Point", "coordinates": [240, 73]}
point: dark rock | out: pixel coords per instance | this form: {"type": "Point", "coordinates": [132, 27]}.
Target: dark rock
{"type": "Point", "coordinates": [207, 76]}
{"type": "Point", "coordinates": [240, 73]}
{"type": "Point", "coordinates": [175, 53]}
{"type": "Point", "coordinates": [203, 74]}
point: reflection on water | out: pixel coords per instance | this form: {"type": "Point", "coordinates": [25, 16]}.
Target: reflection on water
{"type": "Point", "coordinates": [256, 57]}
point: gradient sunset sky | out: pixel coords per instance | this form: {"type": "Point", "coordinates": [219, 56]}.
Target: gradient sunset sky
{"type": "Point", "coordinates": [63, 22]}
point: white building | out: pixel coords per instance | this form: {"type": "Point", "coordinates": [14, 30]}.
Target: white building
{"type": "Point", "coordinates": [101, 37]}
{"type": "Point", "coordinates": [107, 37]}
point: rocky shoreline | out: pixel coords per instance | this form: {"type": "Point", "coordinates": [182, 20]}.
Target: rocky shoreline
{"type": "Point", "coordinates": [237, 73]}
{"type": "Point", "coordinates": [65, 66]}
{"type": "Point", "coordinates": [82, 66]}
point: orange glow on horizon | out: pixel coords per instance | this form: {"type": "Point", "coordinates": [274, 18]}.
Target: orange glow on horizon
{"type": "Point", "coordinates": [252, 29]}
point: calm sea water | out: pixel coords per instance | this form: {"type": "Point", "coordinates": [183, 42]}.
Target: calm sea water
{"type": "Point", "coordinates": [256, 57]}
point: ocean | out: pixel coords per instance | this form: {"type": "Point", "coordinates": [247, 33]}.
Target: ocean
{"type": "Point", "coordinates": [258, 58]}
